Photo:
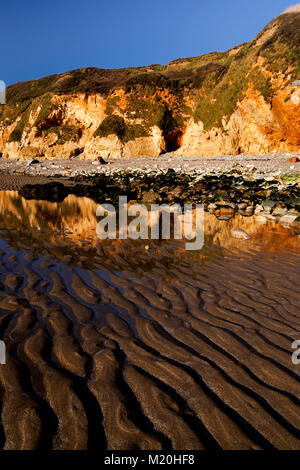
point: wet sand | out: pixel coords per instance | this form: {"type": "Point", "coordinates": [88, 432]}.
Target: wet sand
{"type": "Point", "coordinates": [14, 182]}
{"type": "Point", "coordinates": [112, 346]}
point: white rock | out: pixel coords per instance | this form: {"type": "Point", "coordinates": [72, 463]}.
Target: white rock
{"type": "Point", "coordinates": [258, 209]}
{"type": "Point", "coordinates": [279, 211]}
{"type": "Point", "coordinates": [288, 219]}
{"type": "Point", "coordinates": [239, 234]}
{"type": "Point", "coordinates": [261, 219]}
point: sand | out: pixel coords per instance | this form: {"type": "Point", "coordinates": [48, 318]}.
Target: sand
{"type": "Point", "coordinates": [132, 361]}
{"type": "Point", "coordinates": [117, 347]}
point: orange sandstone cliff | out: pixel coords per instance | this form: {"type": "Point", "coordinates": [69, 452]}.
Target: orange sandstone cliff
{"type": "Point", "coordinates": [223, 103]}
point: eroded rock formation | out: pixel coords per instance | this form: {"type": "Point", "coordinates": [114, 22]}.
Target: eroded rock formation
{"type": "Point", "coordinates": [239, 101]}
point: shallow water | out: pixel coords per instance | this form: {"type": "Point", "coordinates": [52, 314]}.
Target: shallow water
{"type": "Point", "coordinates": [141, 344]}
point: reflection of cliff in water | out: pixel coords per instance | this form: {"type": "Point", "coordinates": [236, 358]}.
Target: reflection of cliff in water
{"type": "Point", "coordinates": [67, 231]}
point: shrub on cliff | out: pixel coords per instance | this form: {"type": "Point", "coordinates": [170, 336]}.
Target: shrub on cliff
{"type": "Point", "coordinates": [111, 125]}
{"type": "Point", "coordinates": [17, 133]}
{"type": "Point", "coordinates": [116, 125]}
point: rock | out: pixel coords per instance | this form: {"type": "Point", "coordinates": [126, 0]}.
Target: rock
{"type": "Point", "coordinates": [211, 207]}
{"type": "Point", "coordinates": [30, 152]}
{"type": "Point", "coordinates": [102, 161]}
{"type": "Point", "coordinates": [270, 217]}
{"type": "Point", "coordinates": [261, 219]}
{"type": "Point", "coordinates": [295, 202]}
{"type": "Point", "coordinates": [248, 212]}
{"type": "Point", "coordinates": [296, 226]}
{"type": "Point", "coordinates": [239, 234]}
{"type": "Point", "coordinates": [288, 219]}
{"type": "Point", "coordinates": [175, 193]}
{"type": "Point", "coordinates": [151, 197]}
{"type": "Point", "coordinates": [268, 205]}
{"type": "Point", "coordinates": [53, 192]}
{"type": "Point", "coordinates": [258, 209]}
{"type": "Point", "coordinates": [224, 212]}
{"type": "Point", "coordinates": [279, 211]}
{"type": "Point", "coordinates": [296, 222]}
{"type": "Point", "coordinates": [230, 204]}
{"type": "Point", "coordinates": [76, 152]}
{"type": "Point", "coordinates": [34, 162]}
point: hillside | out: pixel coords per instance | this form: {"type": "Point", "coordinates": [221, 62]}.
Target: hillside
{"type": "Point", "coordinates": [239, 101]}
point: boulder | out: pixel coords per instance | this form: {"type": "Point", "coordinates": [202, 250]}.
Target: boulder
{"type": "Point", "coordinates": [30, 152]}
{"type": "Point", "coordinates": [53, 192]}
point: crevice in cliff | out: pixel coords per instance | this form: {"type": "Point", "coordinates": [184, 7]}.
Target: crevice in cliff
{"type": "Point", "coordinates": [173, 140]}
{"type": "Point", "coordinates": [171, 132]}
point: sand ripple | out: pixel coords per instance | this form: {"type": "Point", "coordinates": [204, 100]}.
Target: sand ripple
{"type": "Point", "coordinates": [200, 359]}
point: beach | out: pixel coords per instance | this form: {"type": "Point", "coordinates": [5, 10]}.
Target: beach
{"type": "Point", "coordinates": [21, 171]}
{"type": "Point", "coordinates": [149, 230]}
{"type": "Point", "coordinates": [140, 344]}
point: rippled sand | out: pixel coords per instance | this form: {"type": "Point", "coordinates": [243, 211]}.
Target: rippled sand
{"type": "Point", "coordinates": [113, 346]}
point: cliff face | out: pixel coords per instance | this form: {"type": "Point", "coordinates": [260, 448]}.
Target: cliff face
{"type": "Point", "coordinates": [237, 101]}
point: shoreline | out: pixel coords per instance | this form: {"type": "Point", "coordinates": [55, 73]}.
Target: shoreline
{"type": "Point", "coordinates": [106, 335]}
{"type": "Point", "coordinates": [265, 186]}
{"type": "Point", "coordinates": [109, 320]}
{"type": "Point", "coordinates": [14, 173]}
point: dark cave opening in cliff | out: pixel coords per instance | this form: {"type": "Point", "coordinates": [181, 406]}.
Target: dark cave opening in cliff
{"type": "Point", "coordinates": [172, 134]}
{"type": "Point", "coordinates": [173, 140]}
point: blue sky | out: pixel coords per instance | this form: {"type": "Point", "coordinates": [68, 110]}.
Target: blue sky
{"type": "Point", "coordinates": [41, 38]}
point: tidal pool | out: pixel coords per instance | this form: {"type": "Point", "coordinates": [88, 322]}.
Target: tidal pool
{"type": "Point", "coordinates": [124, 344]}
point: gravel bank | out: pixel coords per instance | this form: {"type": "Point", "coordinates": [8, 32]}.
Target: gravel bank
{"type": "Point", "coordinates": [19, 169]}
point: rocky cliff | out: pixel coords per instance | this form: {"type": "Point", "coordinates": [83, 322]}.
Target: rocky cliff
{"type": "Point", "coordinates": [239, 101]}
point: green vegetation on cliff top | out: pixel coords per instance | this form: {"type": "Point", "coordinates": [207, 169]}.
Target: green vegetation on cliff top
{"type": "Point", "coordinates": [214, 82]}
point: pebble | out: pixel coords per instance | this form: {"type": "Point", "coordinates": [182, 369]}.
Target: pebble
{"type": "Point", "coordinates": [288, 219]}
{"type": "Point", "coordinates": [258, 209]}
{"type": "Point", "coordinates": [268, 205]}
{"type": "Point", "coordinates": [261, 219]}
{"type": "Point", "coordinates": [239, 234]}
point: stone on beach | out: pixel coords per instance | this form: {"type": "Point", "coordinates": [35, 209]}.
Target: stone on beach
{"type": "Point", "coordinates": [247, 212]}
{"type": "Point", "coordinates": [288, 219]}
{"type": "Point", "coordinates": [102, 161]}
{"type": "Point", "coordinates": [268, 205]}
{"type": "Point", "coordinates": [224, 212]}
{"type": "Point", "coordinates": [239, 234]}
{"type": "Point", "coordinates": [261, 219]}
